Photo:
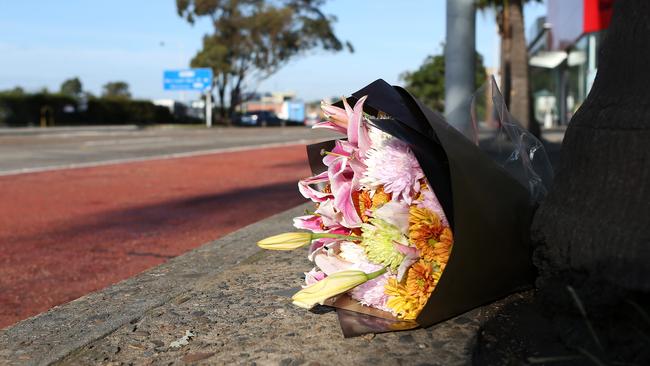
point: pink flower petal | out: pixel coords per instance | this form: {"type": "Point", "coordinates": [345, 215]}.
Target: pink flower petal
{"type": "Point", "coordinates": [352, 134]}
{"type": "Point", "coordinates": [341, 180]}
{"type": "Point", "coordinates": [313, 276]}
{"type": "Point", "coordinates": [335, 114]}
{"type": "Point", "coordinates": [304, 186]}
{"type": "Point", "coordinates": [329, 263]}
{"type": "Point", "coordinates": [330, 126]}
{"type": "Point", "coordinates": [309, 222]}
{"type": "Point", "coordinates": [407, 262]}
{"type": "Point", "coordinates": [406, 250]}
{"type": "Point", "coordinates": [319, 245]}
{"type": "Point", "coordinates": [330, 216]}
{"type": "Point", "coordinates": [364, 142]}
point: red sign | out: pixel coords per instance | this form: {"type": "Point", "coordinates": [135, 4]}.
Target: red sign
{"type": "Point", "coordinates": [598, 14]}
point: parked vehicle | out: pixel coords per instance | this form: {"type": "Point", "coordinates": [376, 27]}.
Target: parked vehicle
{"type": "Point", "coordinates": [311, 119]}
{"type": "Point", "coordinates": [260, 118]}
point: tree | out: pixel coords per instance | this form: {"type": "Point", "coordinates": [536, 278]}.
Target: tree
{"type": "Point", "coordinates": [252, 39]}
{"type": "Point", "coordinates": [428, 82]}
{"type": "Point", "coordinates": [514, 57]}
{"type": "Point", "coordinates": [72, 87]}
{"type": "Point", "coordinates": [116, 89]}
{"type": "Point", "coordinates": [595, 219]}
{"type": "Point", "coordinates": [591, 232]}
{"type": "Point", "coordinates": [16, 90]}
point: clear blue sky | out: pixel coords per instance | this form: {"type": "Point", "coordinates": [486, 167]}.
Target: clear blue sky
{"type": "Point", "coordinates": [44, 42]}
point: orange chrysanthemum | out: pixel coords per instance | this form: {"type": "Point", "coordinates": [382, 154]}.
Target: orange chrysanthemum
{"type": "Point", "coordinates": [420, 281]}
{"type": "Point", "coordinates": [426, 232]}
{"type": "Point", "coordinates": [380, 198]}
{"type": "Point", "coordinates": [365, 203]}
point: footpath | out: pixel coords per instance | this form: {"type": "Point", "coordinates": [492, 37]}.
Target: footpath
{"type": "Point", "coordinates": [226, 302]}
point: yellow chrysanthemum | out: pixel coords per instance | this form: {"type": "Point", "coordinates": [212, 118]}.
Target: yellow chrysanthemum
{"type": "Point", "coordinates": [404, 305]}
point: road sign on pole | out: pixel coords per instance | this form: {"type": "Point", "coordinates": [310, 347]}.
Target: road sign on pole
{"type": "Point", "coordinates": [192, 79]}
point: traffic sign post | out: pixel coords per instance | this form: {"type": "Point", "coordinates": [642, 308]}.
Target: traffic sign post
{"type": "Point", "coordinates": [192, 79]}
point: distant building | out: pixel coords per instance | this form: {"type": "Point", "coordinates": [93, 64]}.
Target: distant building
{"type": "Point", "coordinates": [563, 51]}
{"type": "Point", "coordinates": [283, 104]}
{"type": "Point", "coordinates": [181, 110]}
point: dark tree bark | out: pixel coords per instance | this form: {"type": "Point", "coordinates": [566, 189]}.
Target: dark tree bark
{"type": "Point", "coordinates": [519, 90]}
{"type": "Point", "coordinates": [593, 229]}
{"type": "Point", "coordinates": [514, 61]}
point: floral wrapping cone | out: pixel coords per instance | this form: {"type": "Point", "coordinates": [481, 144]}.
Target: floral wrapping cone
{"type": "Point", "coordinates": [417, 224]}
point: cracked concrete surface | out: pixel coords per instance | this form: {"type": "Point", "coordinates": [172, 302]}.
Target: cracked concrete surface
{"type": "Point", "coordinates": [224, 303]}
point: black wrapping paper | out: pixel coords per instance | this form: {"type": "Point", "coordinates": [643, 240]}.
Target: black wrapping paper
{"type": "Point", "coordinates": [489, 211]}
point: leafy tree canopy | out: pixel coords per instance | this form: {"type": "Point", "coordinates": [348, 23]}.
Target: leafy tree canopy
{"type": "Point", "coordinates": [72, 87]}
{"type": "Point", "coordinates": [428, 82]}
{"type": "Point", "coordinates": [16, 90]}
{"type": "Point", "coordinates": [252, 39]}
{"type": "Point", "coordinates": [116, 89]}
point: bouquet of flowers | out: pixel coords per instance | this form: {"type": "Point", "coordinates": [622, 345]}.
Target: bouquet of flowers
{"type": "Point", "coordinates": [387, 199]}
{"type": "Point", "coordinates": [378, 231]}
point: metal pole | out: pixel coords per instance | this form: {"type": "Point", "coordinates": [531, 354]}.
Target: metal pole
{"type": "Point", "coordinates": [208, 109]}
{"type": "Point", "coordinates": [460, 62]}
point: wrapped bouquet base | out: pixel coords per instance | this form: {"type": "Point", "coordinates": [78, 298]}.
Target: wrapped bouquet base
{"type": "Point", "coordinates": [413, 224]}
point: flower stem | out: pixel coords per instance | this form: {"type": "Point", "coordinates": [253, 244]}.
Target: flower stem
{"type": "Point", "coordinates": [335, 236]}
{"type": "Point", "coordinates": [376, 274]}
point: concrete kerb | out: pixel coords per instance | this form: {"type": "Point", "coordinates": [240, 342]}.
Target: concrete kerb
{"type": "Point", "coordinates": [8, 131]}
{"type": "Point", "coordinates": [50, 336]}
{"type": "Point", "coordinates": [224, 303]}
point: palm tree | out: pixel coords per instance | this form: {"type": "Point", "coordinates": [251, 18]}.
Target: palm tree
{"type": "Point", "coordinates": [514, 56]}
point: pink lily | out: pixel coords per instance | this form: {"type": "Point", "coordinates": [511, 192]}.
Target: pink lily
{"type": "Point", "coordinates": [318, 245]}
{"type": "Point", "coordinates": [304, 186]}
{"type": "Point", "coordinates": [313, 223]}
{"type": "Point", "coordinates": [356, 129]}
{"type": "Point", "coordinates": [330, 263]}
{"type": "Point", "coordinates": [334, 114]}
{"type": "Point", "coordinates": [395, 213]}
{"type": "Point", "coordinates": [406, 250]}
{"type": "Point", "coordinates": [313, 276]}
{"type": "Point", "coordinates": [330, 215]}
{"type": "Point", "coordinates": [330, 126]}
{"type": "Point", "coordinates": [341, 177]}
{"type": "Point", "coordinates": [411, 256]}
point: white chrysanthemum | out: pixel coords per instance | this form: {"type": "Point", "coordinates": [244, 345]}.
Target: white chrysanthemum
{"type": "Point", "coordinates": [352, 252]}
{"type": "Point", "coordinates": [377, 136]}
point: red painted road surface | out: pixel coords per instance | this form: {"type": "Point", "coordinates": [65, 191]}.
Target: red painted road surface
{"type": "Point", "coordinates": [66, 233]}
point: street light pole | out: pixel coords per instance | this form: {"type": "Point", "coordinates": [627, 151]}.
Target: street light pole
{"type": "Point", "coordinates": [208, 109]}
{"type": "Point", "coordinates": [460, 45]}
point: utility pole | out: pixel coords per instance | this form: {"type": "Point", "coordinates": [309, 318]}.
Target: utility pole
{"type": "Point", "coordinates": [460, 45]}
{"type": "Point", "coordinates": [208, 109]}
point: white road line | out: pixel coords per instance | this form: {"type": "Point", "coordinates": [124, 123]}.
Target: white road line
{"type": "Point", "coordinates": [158, 157]}
{"type": "Point", "coordinates": [141, 140]}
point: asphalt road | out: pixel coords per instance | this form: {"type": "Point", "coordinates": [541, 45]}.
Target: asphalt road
{"type": "Point", "coordinates": [35, 150]}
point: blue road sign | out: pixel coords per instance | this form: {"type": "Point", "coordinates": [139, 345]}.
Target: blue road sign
{"type": "Point", "coordinates": [190, 79]}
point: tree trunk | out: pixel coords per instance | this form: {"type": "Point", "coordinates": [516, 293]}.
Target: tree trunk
{"type": "Point", "coordinates": [222, 102]}
{"type": "Point", "coordinates": [593, 229]}
{"type": "Point", "coordinates": [519, 90]}
{"type": "Point", "coordinates": [504, 31]}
